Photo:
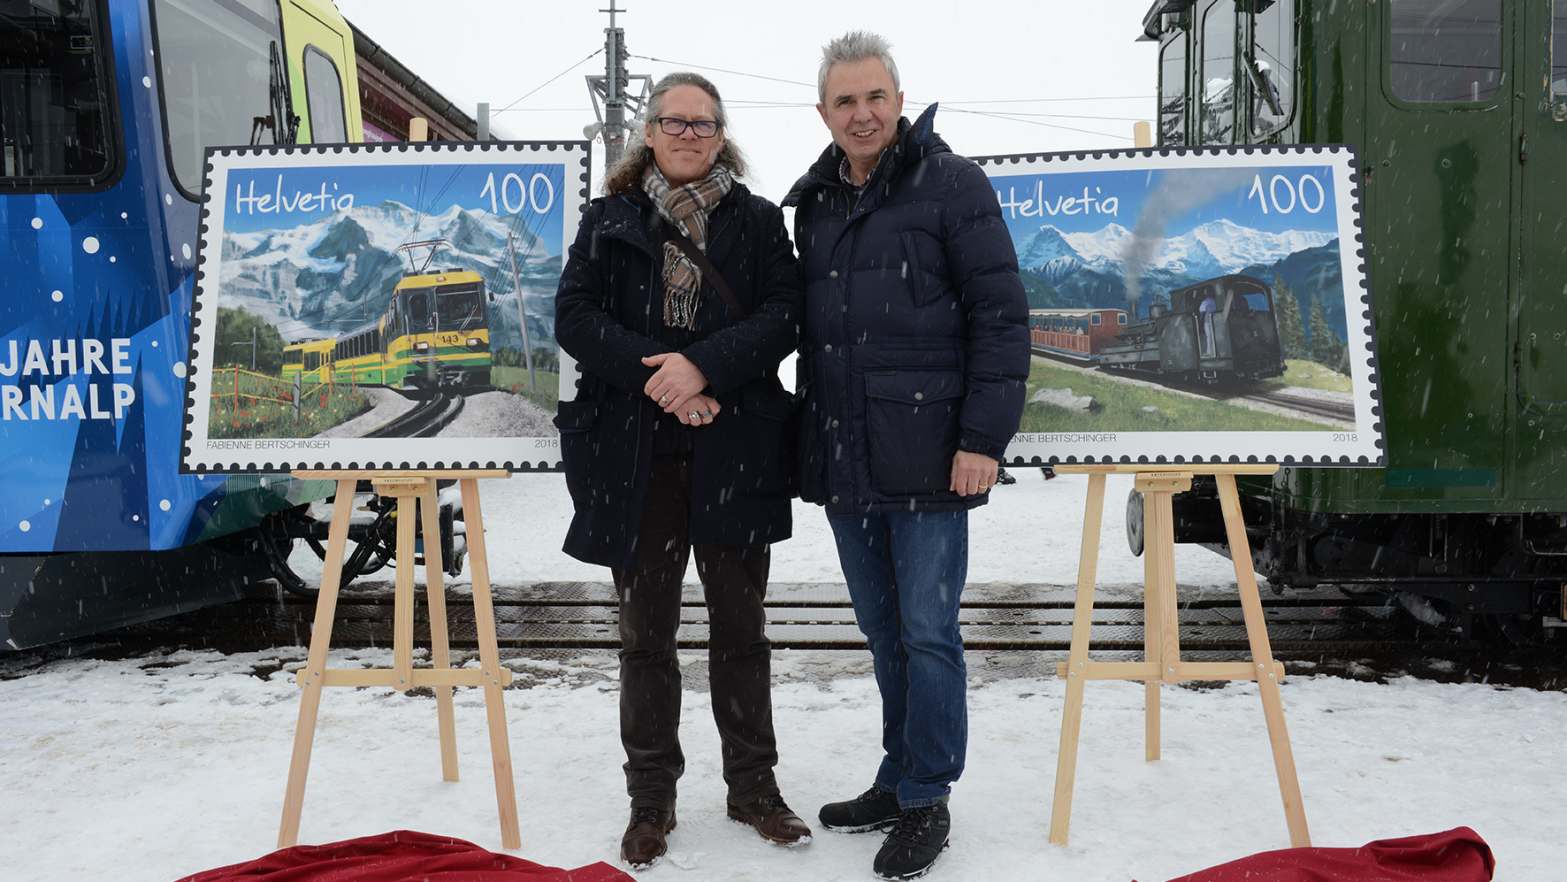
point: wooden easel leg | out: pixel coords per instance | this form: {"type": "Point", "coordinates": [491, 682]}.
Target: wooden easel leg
{"type": "Point", "coordinates": [1262, 657]}
{"type": "Point", "coordinates": [1154, 506]}
{"type": "Point", "coordinates": [403, 598]}
{"type": "Point", "coordinates": [313, 675]}
{"type": "Point", "coordinates": [1077, 661]}
{"type": "Point", "coordinates": [490, 661]}
{"type": "Point", "coordinates": [440, 645]}
{"type": "Point", "coordinates": [1169, 603]}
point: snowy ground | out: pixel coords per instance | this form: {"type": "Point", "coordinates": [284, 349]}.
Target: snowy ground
{"type": "Point", "coordinates": [151, 768]}
{"type": "Point", "coordinates": [158, 766]}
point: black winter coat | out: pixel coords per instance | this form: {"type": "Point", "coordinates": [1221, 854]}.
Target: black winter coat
{"type": "Point", "coordinates": [608, 311]}
{"type": "Point", "coordinates": [915, 337]}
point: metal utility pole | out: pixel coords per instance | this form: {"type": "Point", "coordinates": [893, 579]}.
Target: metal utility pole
{"type": "Point", "coordinates": [611, 93]}
{"type": "Point", "coordinates": [522, 315]}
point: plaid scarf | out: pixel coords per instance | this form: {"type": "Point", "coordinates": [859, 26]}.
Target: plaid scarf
{"type": "Point", "coordinates": [686, 207]}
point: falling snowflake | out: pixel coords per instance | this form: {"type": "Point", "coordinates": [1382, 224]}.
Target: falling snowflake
{"type": "Point", "coordinates": [25, 526]}
{"type": "Point", "coordinates": [185, 250]}
{"type": "Point", "coordinates": [179, 369]}
{"type": "Point", "coordinates": [57, 296]}
{"type": "Point", "coordinates": [165, 505]}
{"type": "Point", "coordinates": [38, 223]}
{"type": "Point", "coordinates": [147, 81]}
{"type": "Point", "coordinates": [90, 244]}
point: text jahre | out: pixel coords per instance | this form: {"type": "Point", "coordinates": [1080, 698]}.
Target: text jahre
{"type": "Point", "coordinates": [325, 200]}
{"type": "Point", "coordinates": [1036, 205]}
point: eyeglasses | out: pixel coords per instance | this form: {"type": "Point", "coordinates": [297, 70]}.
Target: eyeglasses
{"type": "Point", "coordinates": [674, 126]}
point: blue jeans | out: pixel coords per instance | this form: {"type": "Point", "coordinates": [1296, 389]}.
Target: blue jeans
{"type": "Point", "coordinates": [906, 572]}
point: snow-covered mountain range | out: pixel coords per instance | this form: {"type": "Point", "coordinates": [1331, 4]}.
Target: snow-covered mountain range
{"type": "Point", "coordinates": [328, 277]}
{"type": "Point", "coordinates": [1213, 249]}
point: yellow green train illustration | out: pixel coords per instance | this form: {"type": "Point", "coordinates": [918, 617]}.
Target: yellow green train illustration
{"type": "Point", "coordinates": [435, 333]}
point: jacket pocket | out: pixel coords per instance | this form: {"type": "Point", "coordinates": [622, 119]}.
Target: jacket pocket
{"type": "Point", "coordinates": [922, 274]}
{"type": "Point", "coordinates": [575, 420]}
{"type": "Point", "coordinates": [912, 430]}
{"type": "Point", "coordinates": [772, 435]}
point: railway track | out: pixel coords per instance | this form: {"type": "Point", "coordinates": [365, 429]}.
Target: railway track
{"type": "Point", "coordinates": [800, 616]}
{"type": "Point", "coordinates": [1008, 630]}
{"type": "Point", "coordinates": [1305, 405]}
{"type": "Point", "coordinates": [426, 418]}
{"type": "Point", "coordinates": [1343, 411]}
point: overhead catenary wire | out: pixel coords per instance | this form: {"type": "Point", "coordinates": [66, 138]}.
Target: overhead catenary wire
{"type": "Point", "coordinates": [528, 94]}
{"type": "Point", "coordinates": [948, 105]}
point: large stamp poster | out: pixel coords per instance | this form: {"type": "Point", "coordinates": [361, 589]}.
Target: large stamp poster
{"type": "Point", "coordinates": [382, 306]}
{"type": "Point", "coordinates": [1193, 305]}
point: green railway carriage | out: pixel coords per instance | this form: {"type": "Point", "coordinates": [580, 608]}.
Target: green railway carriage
{"type": "Point", "coordinates": [1458, 109]}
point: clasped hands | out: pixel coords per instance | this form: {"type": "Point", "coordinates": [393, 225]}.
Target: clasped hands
{"type": "Point", "coordinates": [676, 387]}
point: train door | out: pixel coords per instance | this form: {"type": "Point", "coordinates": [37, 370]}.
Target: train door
{"type": "Point", "coordinates": [321, 60]}
{"type": "Point", "coordinates": [1440, 152]}
{"type": "Point", "coordinates": [1540, 354]}
{"type": "Point", "coordinates": [1215, 91]}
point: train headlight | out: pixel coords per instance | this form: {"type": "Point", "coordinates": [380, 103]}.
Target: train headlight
{"type": "Point", "coordinates": [421, 347]}
{"type": "Point", "coordinates": [474, 342]}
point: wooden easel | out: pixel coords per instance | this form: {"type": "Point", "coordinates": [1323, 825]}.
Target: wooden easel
{"type": "Point", "coordinates": [1161, 627]}
{"type": "Point", "coordinates": [410, 489]}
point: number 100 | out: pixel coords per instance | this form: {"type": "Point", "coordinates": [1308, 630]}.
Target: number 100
{"type": "Point", "coordinates": [513, 194]}
{"type": "Point", "coordinates": [1283, 195]}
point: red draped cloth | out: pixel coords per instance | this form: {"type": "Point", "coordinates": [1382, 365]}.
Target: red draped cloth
{"type": "Point", "coordinates": [397, 856]}
{"type": "Point", "coordinates": [1459, 855]}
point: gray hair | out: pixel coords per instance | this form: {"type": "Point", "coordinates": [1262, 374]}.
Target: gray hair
{"type": "Point", "coordinates": [851, 47]}
{"type": "Point", "coordinates": [627, 175]}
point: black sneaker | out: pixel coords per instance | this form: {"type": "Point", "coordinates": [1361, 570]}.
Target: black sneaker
{"type": "Point", "coordinates": [914, 844]}
{"type": "Point", "coordinates": [875, 809]}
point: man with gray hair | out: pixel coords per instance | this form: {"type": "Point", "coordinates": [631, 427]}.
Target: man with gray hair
{"type": "Point", "coordinates": [913, 363]}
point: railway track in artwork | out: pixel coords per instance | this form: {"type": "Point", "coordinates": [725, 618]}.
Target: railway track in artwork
{"type": "Point", "coordinates": [428, 417]}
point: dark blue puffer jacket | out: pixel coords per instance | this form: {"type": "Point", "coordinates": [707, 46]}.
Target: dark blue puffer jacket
{"type": "Point", "coordinates": [915, 339]}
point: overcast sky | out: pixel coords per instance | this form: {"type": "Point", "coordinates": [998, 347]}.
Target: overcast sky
{"type": "Point", "coordinates": [1047, 64]}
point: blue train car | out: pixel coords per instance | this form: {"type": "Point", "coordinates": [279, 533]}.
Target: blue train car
{"type": "Point", "coordinates": [105, 110]}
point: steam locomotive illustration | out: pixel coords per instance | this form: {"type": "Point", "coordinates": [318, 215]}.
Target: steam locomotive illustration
{"type": "Point", "coordinates": [1222, 330]}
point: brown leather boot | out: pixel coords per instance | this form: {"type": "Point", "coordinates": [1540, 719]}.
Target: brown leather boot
{"type": "Point", "coordinates": [646, 837]}
{"type": "Point", "coordinates": [771, 817]}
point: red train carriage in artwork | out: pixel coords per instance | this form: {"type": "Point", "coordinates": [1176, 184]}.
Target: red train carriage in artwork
{"type": "Point", "coordinates": [1078, 334]}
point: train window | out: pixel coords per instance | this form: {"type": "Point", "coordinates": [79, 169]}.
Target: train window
{"type": "Point", "coordinates": [1256, 300]}
{"type": "Point", "coordinates": [324, 96]}
{"type": "Point", "coordinates": [1269, 66]}
{"type": "Point", "coordinates": [1445, 51]}
{"type": "Point", "coordinates": [1217, 119]}
{"type": "Point", "coordinates": [54, 95]}
{"type": "Point", "coordinates": [419, 312]}
{"type": "Point", "coordinates": [1172, 92]}
{"type": "Point", "coordinates": [461, 307]}
{"type": "Point", "coordinates": [1097, 320]}
{"type": "Point", "coordinates": [217, 75]}
{"type": "Point", "coordinates": [1559, 59]}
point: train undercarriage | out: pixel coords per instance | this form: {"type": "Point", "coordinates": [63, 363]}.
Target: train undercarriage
{"type": "Point", "coordinates": [1496, 576]}
{"type": "Point", "coordinates": [47, 598]}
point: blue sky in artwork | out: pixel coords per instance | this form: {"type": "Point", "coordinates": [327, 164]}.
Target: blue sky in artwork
{"type": "Point", "coordinates": [311, 194]}
{"type": "Point", "coordinates": [1266, 198]}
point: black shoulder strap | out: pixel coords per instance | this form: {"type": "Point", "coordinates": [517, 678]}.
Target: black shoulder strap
{"type": "Point", "coordinates": [709, 272]}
